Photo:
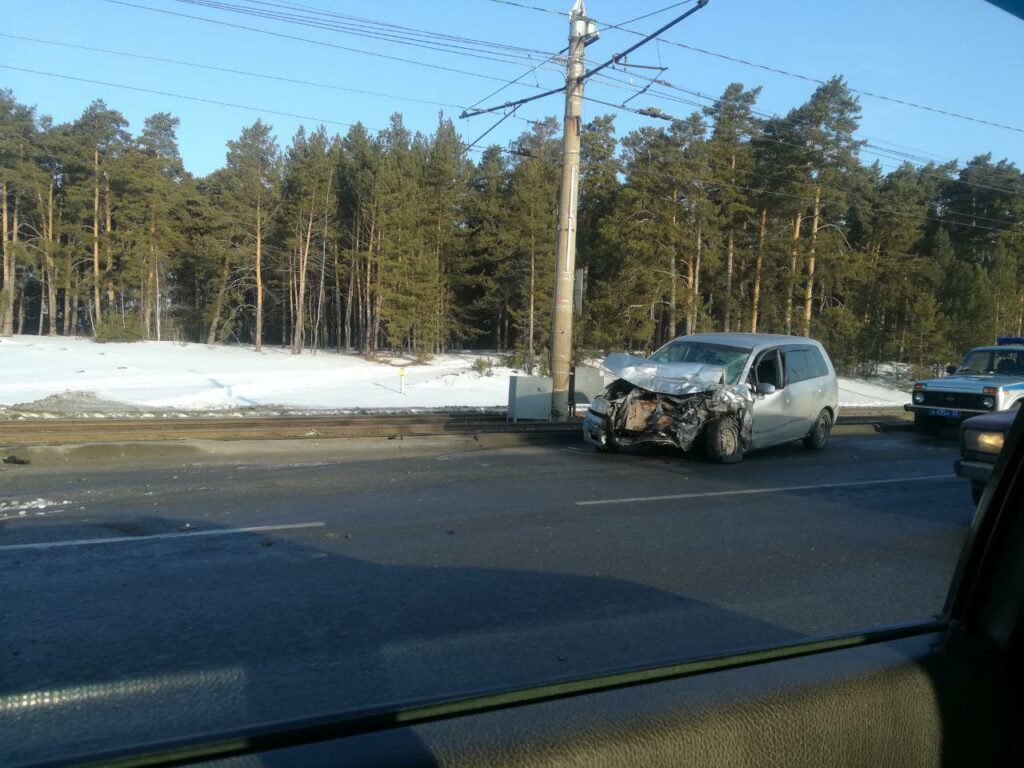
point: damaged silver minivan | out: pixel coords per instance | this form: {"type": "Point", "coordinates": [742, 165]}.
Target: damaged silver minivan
{"type": "Point", "coordinates": [732, 392]}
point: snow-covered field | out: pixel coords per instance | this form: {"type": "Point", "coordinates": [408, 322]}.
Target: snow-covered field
{"type": "Point", "coordinates": [76, 377]}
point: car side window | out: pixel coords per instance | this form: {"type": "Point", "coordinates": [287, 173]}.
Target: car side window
{"type": "Point", "coordinates": [799, 366]}
{"type": "Point", "coordinates": [767, 369]}
{"type": "Point", "coordinates": [1008, 364]}
{"type": "Point", "coordinates": [819, 362]}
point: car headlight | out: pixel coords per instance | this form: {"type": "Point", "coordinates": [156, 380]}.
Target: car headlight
{"type": "Point", "coordinates": [988, 402]}
{"type": "Point", "coordinates": [983, 442]}
{"type": "Point", "coordinates": [919, 397]}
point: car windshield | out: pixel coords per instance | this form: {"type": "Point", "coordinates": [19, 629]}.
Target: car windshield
{"type": "Point", "coordinates": [305, 310]}
{"type": "Point", "coordinates": [683, 351]}
{"type": "Point", "coordinates": [1002, 362]}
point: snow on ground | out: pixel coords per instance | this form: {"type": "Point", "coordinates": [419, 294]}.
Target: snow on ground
{"type": "Point", "coordinates": [167, 375]}
{"type": "Point", "coordinates": [60, 376]}
{"type": "Point", "coordinates": [866, 393]}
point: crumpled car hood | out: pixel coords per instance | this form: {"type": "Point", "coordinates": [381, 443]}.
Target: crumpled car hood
{"type": "Point", "coordinates": [664, 378]}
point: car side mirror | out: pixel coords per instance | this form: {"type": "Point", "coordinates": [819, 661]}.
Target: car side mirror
{"type": "Point", "coordinates": [950, 369]}
{"type": "Point", "coordinates": [764, 388]}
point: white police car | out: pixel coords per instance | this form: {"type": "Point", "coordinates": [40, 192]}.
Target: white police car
{"type": "Point", "coordinates": [989, 379]}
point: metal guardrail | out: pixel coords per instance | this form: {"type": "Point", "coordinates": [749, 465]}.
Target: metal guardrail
{"type": "Point", "coordinates": [99, 430]}
{"type": "Point", "coordinates": [55, 431]}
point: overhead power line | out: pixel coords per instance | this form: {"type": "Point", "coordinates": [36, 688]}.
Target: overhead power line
{"type": "Point", "coordinates": [659, 11]}
{"type": "Point", "coordinates": [818, 81]}
{"type": "Point", "coordinates": [530, 7]}
{"type": "Point", "coordinates": [227, 70]}
{"type": "Point", "coordinates": [311, 41]}
{"type": "Point", "coordinates": [477, 49]}
{"type": "Point", "coordinates": [870, 147]}
{"type": "Point", "coordinates": [363, 22]}
{"type": "Point", "coordinates": [778, 70]}
{"type": "Point", "coordinates": [175, 95]}
{"type": "Point", "coordinates": [616, 58]}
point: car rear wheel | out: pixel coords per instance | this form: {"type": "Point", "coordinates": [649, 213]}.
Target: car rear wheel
{"type": "Point", "coordinates": [818, 436]}
{"type": "Point", "coordinates": [722, 441]}
{"type": "Point", "coordinates": [927, 425]}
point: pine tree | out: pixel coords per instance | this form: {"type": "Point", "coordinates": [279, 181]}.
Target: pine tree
{"type": "Point", "coordinates": [252, 188]}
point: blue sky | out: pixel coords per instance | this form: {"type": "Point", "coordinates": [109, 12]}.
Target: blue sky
{"type": "Point", "coordinates": [963, 56]}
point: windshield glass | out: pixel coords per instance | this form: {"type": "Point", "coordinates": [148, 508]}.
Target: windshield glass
{"type": "Point", "coordinates": [303, 314]}
{"type": "Point", "coordinates": [1002, 362]}
{"type": "Point", "coordinates": [682, 351]}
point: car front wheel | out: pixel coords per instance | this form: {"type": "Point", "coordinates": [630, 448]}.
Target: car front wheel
{"type": "Point", "coordinates": [722, 441]}
{"type": "Point", "coordinates": [818, 436]}
{"type": "Point", "coordinates": [927, 425]}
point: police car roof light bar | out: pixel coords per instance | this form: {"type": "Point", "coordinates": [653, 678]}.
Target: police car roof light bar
{"type": "Point", "coordinates": [1005, 340]}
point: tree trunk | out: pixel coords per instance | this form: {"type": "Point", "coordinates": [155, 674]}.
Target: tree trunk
{"type": "Point", "coordinates": [108, 266]}
{"type": "Point", "coordinates": [51, 270]}
{"type": "Point", "coordinates": [791, 278]}
{"type": "Point", "coordinates": [755, 304]}
{"type": "Point", "coordinates": [259, 277]}
{"type": "Point", "coordinates": [729, 255]}
{"type": "Point", "coordinates": [320, 295]}
{"type": "Point", "coordinates": [300, 294]}
{"type": "Point", "coordinates": [68, 322]}
{"type": "Point", "coordinates": [533, 283]}
{"type": "Point", "coordinates": [73, 322]}
{"type": "Point", "coordinates": [218, 303]}
{"type": "Point", "coordinates": [809, 290]}
{"type": "Point", "coordinates": [96, 235]}
{"type": "Point", "coordinates": [689, 297]}
{"type": "Point", "coordinates": [6, 246]}
{"type": "Point", "coordinates": [348, 304]}
{"type": "Point", "coordinates": [729, 252]}
{"type": "Point", "coordinates": [696, 272]}
{"type": "Point", "coordinates": [42, 304]}
{"type": "Point", "coordinates": [673, 277]}
{"type": "Point", "coordinates": [337, 297]}
{"type": "Point", "coordinates": [156, 294]}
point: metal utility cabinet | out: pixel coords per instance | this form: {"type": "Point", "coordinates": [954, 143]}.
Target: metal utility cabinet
{"type": "Point", "coordinates": [529, 397]}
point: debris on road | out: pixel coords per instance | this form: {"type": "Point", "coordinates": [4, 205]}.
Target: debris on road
{"type": "Point", "coordinates": [12, 459]}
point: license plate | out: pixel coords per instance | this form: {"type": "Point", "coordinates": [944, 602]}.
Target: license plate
{"type": "Point", "coordinates": [948, 412]}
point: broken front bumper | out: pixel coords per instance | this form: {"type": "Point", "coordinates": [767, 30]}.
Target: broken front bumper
{"type": "Point", "coordinates": [628, 415]}
{"type": "Point", "coordinates": [596, 430]}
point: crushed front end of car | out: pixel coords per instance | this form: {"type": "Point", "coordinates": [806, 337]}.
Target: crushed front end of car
{"type": "Point", "coordinates": [664, 404]}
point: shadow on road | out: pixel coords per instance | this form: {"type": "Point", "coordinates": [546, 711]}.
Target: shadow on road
{"type": "Point", "coordinates": [111, 645]}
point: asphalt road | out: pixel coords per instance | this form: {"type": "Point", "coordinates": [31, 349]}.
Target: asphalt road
{"type": "Point", "coordinates": [153, 596]}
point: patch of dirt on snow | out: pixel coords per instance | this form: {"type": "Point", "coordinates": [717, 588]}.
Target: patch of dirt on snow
{"type": "Point", "coordinates": [69, 404]}
{"type": "Point", "coordinates": [88, 405]}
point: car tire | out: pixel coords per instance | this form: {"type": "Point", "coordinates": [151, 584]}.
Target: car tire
{"type": "Point", "coordinates": [927, 425]}
{"type": "Point", "coordinates": [608, 445]}
{"type": "Point", "coordinates": [722, 441]}
{"type": "Point", "coordinates": [817, 438]}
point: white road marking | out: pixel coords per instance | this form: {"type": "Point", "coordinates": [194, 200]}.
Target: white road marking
{"type": "Point", "coordinates": [155, 536]}
{"type": "Point", "coordinates": [751, 491]}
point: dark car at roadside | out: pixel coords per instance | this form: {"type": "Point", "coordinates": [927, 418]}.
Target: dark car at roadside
{"type": "Point", "coordinates": [981, 441]}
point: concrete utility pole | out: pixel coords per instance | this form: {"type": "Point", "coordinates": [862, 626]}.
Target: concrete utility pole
{"type": "Point", "coordinates": [568, 197]}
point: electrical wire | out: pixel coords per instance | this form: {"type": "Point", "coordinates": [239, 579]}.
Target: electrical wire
{"type": "Point", "coordinates": [228, 70]}
{"type": "Point", "coordinates": [176, 95]}
{"type": "Point", "coordinates": [806, 78]}
{"type": "Point", "coordinates": [311, 41]}
{"type": "Point", "coordinates": [596, 69]}
{"type": "Point", "coordinates": [655, 13]}
{"type": "Point", "coordinates": [477, 51]}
